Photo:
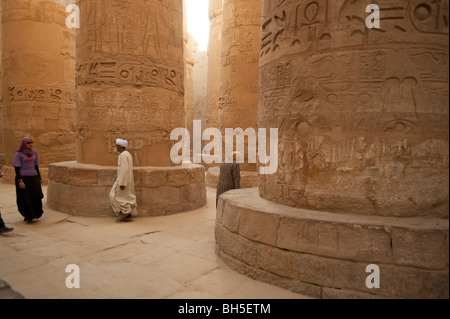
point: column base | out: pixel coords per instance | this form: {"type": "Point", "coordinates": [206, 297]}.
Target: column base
{"type": "Point", "coordinates": [83, 189]}
{"type": "Point", "coordinates": [325, 255]}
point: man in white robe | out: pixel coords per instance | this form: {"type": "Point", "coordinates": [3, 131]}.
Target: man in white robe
{"type": "Point", "coordinates": [122, 196]}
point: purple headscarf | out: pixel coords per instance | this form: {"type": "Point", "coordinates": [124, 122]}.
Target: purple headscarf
{"type": "Point", "coordinates": [23, 147]}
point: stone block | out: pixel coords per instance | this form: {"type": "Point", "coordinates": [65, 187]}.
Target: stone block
{"type": "Point", "coordinates": [281, 262]}
{"type": "Point", "coordinates": [221, 204]}
{"type": "Point", "coordinates": [61, 197]}
{"type": "Point", "coordinates": [212, 177]}
{"type": "Point", "coordinates": [161, 196]}
{"type": "Point", "coordinates": [331, 293]}
{"type": "Point", "coordinates": [364, 243]}
{"type": "Point", "coordinates": [91, 197]}
{"type": "Point", "coordinates": [271, 278]}
{"type": "Point", "coordinates": [236, 246]}
{"type": "Point", "coordinates": [58, 174]}
{"type": "Point", "coordinates": [83, 177]}
{"type": "Point", "coordinates": [178, 177]}
{"type": "Point", "coordinates": [107, 177]}
{"type": "Point", "coordinates": [193, 192]}
{"type": "Point", "coordinates": [153, 178]}
{"type": "Point", "coordinates": [153, 211]}
{"type": "Point", "coordinates": [348, 241]}
{"type": "Point", "coordinates": [420, 248]}
{"type": "Point", "coordinates": [230, 220]}
{"type": "Point", "coordinates": [307, 236]}
{"type": "Point", "coordinates": [137, 178]}
{"type": "Point", "coordinates": [198, 175]}
{"type": "Point", "coordinates": [395, 281]}
{"type": "Point", "coordinates": [259, 226]}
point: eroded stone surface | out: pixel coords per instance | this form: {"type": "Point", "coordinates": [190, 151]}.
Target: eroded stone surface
{"type": "Point", "coordinates": [238, 101]}
{"type": "Point", "coordinates": [83, 189]}
{"type": "Point", "coordinates": [130, 79]}
{"type": "Point", "coordinates": [287, 246]}
{"type": "Point", "coordinates": [38, 80]}
{"type": "Point", "coordinates": [362, 113]}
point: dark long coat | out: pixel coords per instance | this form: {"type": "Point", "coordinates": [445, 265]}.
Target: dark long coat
{"type": "Point", "coordinates": [229, 178]}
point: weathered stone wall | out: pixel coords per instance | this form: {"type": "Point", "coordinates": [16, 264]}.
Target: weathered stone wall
{"type": "Point", "coordinates": [130, 79]}
{"type": "Point", "coordinates": [362, 113]}
{"type": "Point", "coordinates": [38, 79]}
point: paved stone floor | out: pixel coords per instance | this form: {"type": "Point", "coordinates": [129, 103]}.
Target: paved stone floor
{"type": "Point", "coordinates": [170, 257]}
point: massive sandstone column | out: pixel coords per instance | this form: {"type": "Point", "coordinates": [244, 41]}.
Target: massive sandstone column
{"type": "Point", "coordinates": [239, 70]}
{"type": "Point", "coordinates": [130, 85]}
{"type": "Point", "coordinates": [363, 153]}
{"type": "Point", "coordinates": [130, 74]}
{"type": "Point", "coordinates": [38, 80]}
{"type": "Point", "coordinates": [362, 114]}
{"type": "Point", "coordinates": [189, 82]}
{"type": "Point", "coordinates": [200, 73]}
{"type": "Point", "coordinates": [2, 117]}
{"type": "Point", "coordinates": [238, 100]}
{"type": "Point", "coordinates": [214, 53]}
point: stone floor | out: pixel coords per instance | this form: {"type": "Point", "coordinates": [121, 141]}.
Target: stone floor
{"type": "Point", "coordinates": [170, 257]}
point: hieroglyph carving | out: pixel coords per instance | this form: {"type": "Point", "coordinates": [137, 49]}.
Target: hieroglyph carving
{"type": "Point", "coordinates": [48, 94]}
{"type": "Point", "coordinates": [357, 105]}
{"type": "Point", "coordinates": [304, 26]}
{"type": "Point", "coordinates": [130, 73]}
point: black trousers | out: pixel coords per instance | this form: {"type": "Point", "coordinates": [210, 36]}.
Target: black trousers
{"type": "Point", "coordinates": [29, 200]}
{"type": "Point", "coordinates": [2, 223]}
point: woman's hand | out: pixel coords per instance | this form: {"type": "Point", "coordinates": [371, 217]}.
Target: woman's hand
{"type": "Point", "coordinates": [22, 185]}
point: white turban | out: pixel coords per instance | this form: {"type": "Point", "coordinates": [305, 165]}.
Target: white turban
{"type": "Point", "coordinates": [122, 143]}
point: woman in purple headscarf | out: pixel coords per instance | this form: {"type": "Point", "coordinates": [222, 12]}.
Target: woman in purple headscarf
{"type": "Point", "coordinates": [28, 181]}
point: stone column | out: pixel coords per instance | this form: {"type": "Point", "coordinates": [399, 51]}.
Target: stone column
{"type": "Point", "coordinates": [38, 80]}
{"type": "Point", "coordinates": [362, 113]}
{"type": "Point", "coordinates": [2, 116]}
{"type": "Point", "coordinates": [130, 85]}
{"type": "Point", "coordinates": [214, 49]}
{"type": "Point", "coordinates": [130, 74]}
{"type": "Point", "coordinates": [200, 73]}
{"type": "Point", "coordinates": [238, 100]}
{"type": "Point", "coordinates": [189, 82]}
{"type": "Point", "coordinates": [363, 161]}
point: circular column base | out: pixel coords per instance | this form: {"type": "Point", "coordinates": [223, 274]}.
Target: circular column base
{"type": "Point", "coordinates": [83, 189]}
{"type": "Point", "coordinates": [326, 255]}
